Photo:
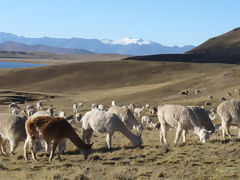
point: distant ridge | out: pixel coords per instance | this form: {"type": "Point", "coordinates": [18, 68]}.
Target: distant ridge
{"type": "Point", "coordinates": [14, 46]}
{"type": "Point", "coordinates": [129, 46]}
{"type": "Point", "coordinates": [227, 44]}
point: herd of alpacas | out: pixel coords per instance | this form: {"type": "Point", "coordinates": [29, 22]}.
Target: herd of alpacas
{"type": "Point", "coordinates": [36, 124]}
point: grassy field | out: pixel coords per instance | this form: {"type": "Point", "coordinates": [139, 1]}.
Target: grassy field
{"type": "Point", "coordinates": [155, 83]}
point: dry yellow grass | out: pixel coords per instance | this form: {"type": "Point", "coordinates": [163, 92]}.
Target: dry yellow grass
{"type": "Point", "coordinates": [126, 82]}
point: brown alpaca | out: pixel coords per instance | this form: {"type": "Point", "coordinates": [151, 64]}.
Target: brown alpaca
{"type": "Point", "coordinates": [152, 111]}
{"type": "Point", "coordinates": [52, 128]}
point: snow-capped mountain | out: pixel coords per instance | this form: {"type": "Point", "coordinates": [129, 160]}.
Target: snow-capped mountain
{"type": "Point", "coordinates": [126, 41]}
{"type": "Point", "coordinates": [131, 46]}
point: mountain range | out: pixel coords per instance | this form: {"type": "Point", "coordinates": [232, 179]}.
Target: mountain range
{"type": "Point", "coordinates": [15, 46]}
{"type": "Point", "coordinates": [131, 46]}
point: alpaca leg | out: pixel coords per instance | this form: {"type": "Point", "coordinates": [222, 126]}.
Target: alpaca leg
{"type": "Point", "coordinates": [87, 134]}
{"type": "Point", "coordinates": [227, 130]}
{"type": "Point", "coordinates": [224, 129]}
{"type": "Point", "coordinates": [239, 132]}
{"type": "Point", "coordinates": [47, 147]}
{"type": "Point", "coordinates": [26, 146]}
{"type": "Point", "coordinates": [184, 135]}
{"type": "Point", "coordinates": [13, 145]}
{"type": "Point", "coordinates": [164, 134]}
{"type": "Point", "coordinates": [109, 140]}
{"type": "Point", "coordinates": [55, 144]}
{"type": "Point", "coordinates": [31, 141]}
{"type": "Point", "coordinates": [178, 133]}
{"type": "Point", "coordinates": [3, 146]}
{"type": "Point", "coordinates": [62, 146]}
{"type": "Point", "coordinates": [161, 137]}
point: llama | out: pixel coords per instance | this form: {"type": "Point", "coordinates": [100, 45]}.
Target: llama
{"type": "Point", "coordinates": [149, 122]}
{"type": "Point", "coordinates": [52, 128]}
{"type": "Point", "coordinates": [106, 122]}
{"type": "Point", "coordinates": [183, 119]}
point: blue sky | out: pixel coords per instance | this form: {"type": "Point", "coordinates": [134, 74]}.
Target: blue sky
{"type": "Point", "coordinates": [169, 22]}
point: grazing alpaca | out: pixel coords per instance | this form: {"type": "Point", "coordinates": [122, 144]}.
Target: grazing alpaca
{"type": "Point", "coordinates": [183, 119]}
{"type": "Point", "coordinates": [12, 129]}
{"type": "Point", "coordinates": [106, 122]}
{"type": "Point", "coordinates": [127, 117]}
{"type": "Point", "coordinates": [52, 128]}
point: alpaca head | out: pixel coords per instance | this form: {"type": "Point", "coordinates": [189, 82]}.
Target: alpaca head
{"type": "Point", "coordinates": [87, 151]}
{"type": "Point", "coordinates": [204, 135]}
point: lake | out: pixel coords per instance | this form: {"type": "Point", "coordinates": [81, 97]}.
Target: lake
{"type": "Point", "coordinates": [4, 65]}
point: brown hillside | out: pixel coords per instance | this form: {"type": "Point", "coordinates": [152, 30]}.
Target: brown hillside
{"type": "Point", "coordinates": [226, 44]}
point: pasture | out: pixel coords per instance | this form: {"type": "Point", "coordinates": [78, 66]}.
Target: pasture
{"type": "Point", "coordinates": [155, 83]}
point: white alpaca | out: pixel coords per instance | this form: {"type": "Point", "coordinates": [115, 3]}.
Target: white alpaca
{"type": "Point", "coordinates": [39, 106]}
{"type": "Point", "coordinates": [137, 112]}
{"type": "Point", "coordinates": [147, 106]}
{"type": "Point", "coordinates": [12, 128]}
{"type": "Point", "coordinates": [148, 121]}
{"type": "Point", "coordinates": [14, 111]}
{"type": "Point", "coordinates": [113, 103]}
{"type": "Point", "coordinates": [183, 119]}
{"type": "Point", "coordinates": [106, 122]}
{"type": "Point", "coordinates": [127, 117]}
{"type": "Point", "coordinates": [75, 108]}
{"type": "Point", "coordinates": [229, 112]}
{"type": "Point", "coordinates": [13, 105]}
{"type": "Point", "coordinates": [94, 105]}
{"type": "Point", "coordinates": [62, 114]}
{"type": "Point", "coordinates": [101, 107]}
{"type": "Point", "coordinates": [131, 107]}
{"type": "Point", "coordinates": [78, 117]}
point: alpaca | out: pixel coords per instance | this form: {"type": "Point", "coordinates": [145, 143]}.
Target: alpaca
{"type": "Point", "coordinates": [75, 108]}
{"type": "Point", "coordinates": [137, 112]}
{"type": "Point", "coordinates": [12, 128]}
{"type": "Point", "coordinates": [229, 112]}
{"type": "Point", "coordinates": [131, 107]}
{"type": "Point", "coordinates": [183, 119]}
{"type": "Point", "coordinates": [113, 103]}
{"type": "Point", "coordinates": [106, 122]}
{"type": "Point", "coordinates": [13, 105]}
{"type": "Point", "coordinates": [127, 117]}
{"type": "Point", "coordinates": [39, 106]}
{"type": "Point", "coordinates": [52, 128]}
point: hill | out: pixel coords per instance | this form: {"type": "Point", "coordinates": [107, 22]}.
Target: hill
{"type": "Point", "coordinates": [14, 46]}
{"type": "Point", "coordinates": [227, 44]}
{"type": "Point", "coordinates": [131, 46]}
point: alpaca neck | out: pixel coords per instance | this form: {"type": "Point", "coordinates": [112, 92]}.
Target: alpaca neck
{"type": "Point", "coordinates": [132, 137]}
{"type": "Point", "coordinates": [72, 135]}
